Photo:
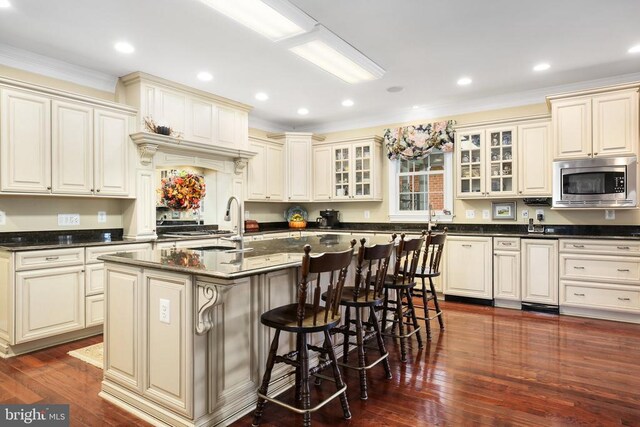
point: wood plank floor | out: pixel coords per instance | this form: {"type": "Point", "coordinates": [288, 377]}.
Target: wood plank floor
{"type": "Point", "coordinates": [490, 367]}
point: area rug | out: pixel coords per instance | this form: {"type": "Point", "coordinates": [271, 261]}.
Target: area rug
{"type": "Point", "coordinates": [91, 355]}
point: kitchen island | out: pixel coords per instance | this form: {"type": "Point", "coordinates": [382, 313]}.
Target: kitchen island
{"type": "Point", "coordinates": [183, 341]}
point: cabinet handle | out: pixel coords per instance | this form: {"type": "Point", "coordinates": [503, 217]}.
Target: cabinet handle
{"type": "Point", "coordinates": [577, 267]}
{"type": "Point", "coordinates": [595, 154]}
{"type": "Point", "coordinates": [623, 269]}
{"type": "Point", "coordinates": [623, 247]}
{"type": "Point", "coordinates": [98, 190]}
{"type": "Point", "coordinates": [519, 192]}
{"type": "Point", "coordinates": [506, 243]}
{"type": "Point", "coordinates": [52, 258]}
{"type": "Point", "coordinates": [578, 246]}
{"type": "Point", "coordinates": [578, 295]}
{"type": "Point", "coordinates": [624, 299]}
{"type": "Point", "coordinates": [48, 188]}
{"type": "Point", "coordinates": [466, 246]}
{"type": "Point", "coordinates": [92, 190]}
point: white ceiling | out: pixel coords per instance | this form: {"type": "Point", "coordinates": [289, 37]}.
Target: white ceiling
{"type": "Point", "coordinates": [424, 46]}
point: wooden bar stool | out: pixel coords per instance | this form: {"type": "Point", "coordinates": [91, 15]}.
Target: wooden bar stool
{"type": "Point", "coordinates": [303, 319]}
{"type": "Point", "coordinates": [402, 282]}
{"type": "Point", "coordinates": [431, 256]}
{"type": "Point", "coordinates": [371, 271]}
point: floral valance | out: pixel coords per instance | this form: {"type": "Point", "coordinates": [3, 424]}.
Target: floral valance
{"type": "Point", "coordinates": [417, 142]}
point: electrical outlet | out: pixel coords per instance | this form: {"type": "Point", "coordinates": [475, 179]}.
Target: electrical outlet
{"type": "Point", "coordinates": [525, 213]}
{"type": "Point", "coordinates": [165, 311]}
{"type": "Point", "coordinates": [470, 213]}
{"type": "Point", "coordinates": [66, 220]}
{"type": "Point", "coordinates": [247, 215]}
{"type": "Point", "coordinates": [486, 213]}
{"type": "Point", "coordinates": [3, 218]}
{"type": "Point", "coordinates": [102, 217]}
{"type": "Point", "coordinates": [367, 214]}
{"type": "Point", "coordinates": [609, 214]}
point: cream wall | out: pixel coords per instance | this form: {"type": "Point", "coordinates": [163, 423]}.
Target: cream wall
{"type": "Point", "coordinates": [354, 212]}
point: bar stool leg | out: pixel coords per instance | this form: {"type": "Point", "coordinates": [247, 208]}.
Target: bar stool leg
{"type": "Point", "coordinates": [400, 322]}
{"type": "Point", "coordinates": [337, 376]}
{"type": "Point", "coordinates": [373, 321]}
{"type": "Point", "coordinates": [264, 387]}
{"type": "Point", "coordinates": [435, 303]}
{"type": "Point", "coordinates": [298, 386]}
{"type": "Point", "coordinates": [361, 361]}
{"type": "Point", "coordinates": [414, 319]}
{"type": "Point", "coordinates": [345, 343]}
{"type": "Point", "coordinates": [384, 309]}
{"type": "Point", "coordinates": [305, 394]}
{"type": "Point", "coordinates": [425, 303]}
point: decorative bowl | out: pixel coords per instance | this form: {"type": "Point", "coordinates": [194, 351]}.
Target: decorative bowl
{"type": "Point", "coordinates": [298, 224]}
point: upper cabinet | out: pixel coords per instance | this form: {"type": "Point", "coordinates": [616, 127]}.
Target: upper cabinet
{"type": "Point", "coordinates": [199, 116]}
{"type": "Point", "coordinates": [595, 123]}
{"type": "Point", "coordinates": [265, 172]}
{"type": "Point", "coordinates": [111, 145]}
{"type": "Point", "coordinates": [504, 159]}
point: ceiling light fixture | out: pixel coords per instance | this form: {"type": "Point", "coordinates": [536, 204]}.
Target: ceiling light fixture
{"type": "Point", "coordinates": [4, 4]}
{"type": "Point", "coordinates": [542, 67]}
{"type": "Point", "coordinates": [261, 96]}
{"type": "Point", "coordinates": [303, 111]}
{"type": "Point", "coordinates": [415, 107]}
{"type": "Point", "coordinates": [204, 76]}
{"type": "Point", "coordinates": [464, 81]}
{"type": "Point", "coordinates": [395, 89]}
{"type": "Point", "coordinates": [334, 55]}
{"type": "Point", "coordinates": [274, 19]}
{"type": "Point", "coordinates": [347, 103]}
{"type": "Point", "coordinates": [634, 49]}
{"type": "Point", "coordinates": [124, 47]}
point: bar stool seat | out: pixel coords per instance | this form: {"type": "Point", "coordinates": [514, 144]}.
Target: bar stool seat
{"type": "Point", "coordinates": [285, 318]}
{"type": "Point", "coordinates": [430, 269]}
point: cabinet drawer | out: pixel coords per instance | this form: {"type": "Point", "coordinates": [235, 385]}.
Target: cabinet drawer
{"type": "Point", "coordinates": [92, 253]}
{"type": "Point", "coordinates": [94, 279]}
{"type": "Point", "coordinates": [94, 310]}
{"type": "Point", "coordinates": [605, 247]}
{"type": "Point", "coordinates": [619, 298]}
{"type": "Point", "coordinates": [506, 243]}
{"type": "Point", "coordinates": [31, 260]}
{"type": "Point", "coordinates": [600, 268]}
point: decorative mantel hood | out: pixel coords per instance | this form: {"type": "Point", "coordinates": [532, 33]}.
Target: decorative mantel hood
{"type": "Point", "coordinates": [149, 143]}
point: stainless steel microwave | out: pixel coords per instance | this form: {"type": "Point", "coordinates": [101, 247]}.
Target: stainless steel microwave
{"type": "Point", "coordinates": [595, 183]}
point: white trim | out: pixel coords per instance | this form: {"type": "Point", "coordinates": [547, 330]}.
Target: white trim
{"type": "Point", "coordinates": [50, 67]}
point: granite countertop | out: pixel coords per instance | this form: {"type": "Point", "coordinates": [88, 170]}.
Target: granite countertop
{"type": "Point", "coordinates": [265, 256]}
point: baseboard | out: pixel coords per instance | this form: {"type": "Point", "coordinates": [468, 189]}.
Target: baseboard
{"type": "Point", "coordinates": [541, 308]}
{"type": "Point", "coordinates": [468, 300]}
{"type": "Point", "coordinates": [7, 350]}
{"type": "Point", "coordinates": [503, 303]}
{"type": "Point", "coordinates": [600, 314]}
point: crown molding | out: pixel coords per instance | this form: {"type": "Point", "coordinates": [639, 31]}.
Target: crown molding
{"type": "Point", "coordinates": [55, 68]}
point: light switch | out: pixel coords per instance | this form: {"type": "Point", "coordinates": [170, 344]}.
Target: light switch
{"type": "Point", "coordinates": [102, 216]}
{"type": "Point", "coordinates": [470, 213]}
{"type": "Point", "coordinates": [609, 214]}
{"type": "Point", "coordinates": [165, 311]}
{"type": "Point", "coordinates": [66, 220]}
{"type": "Point", "coordinates": [367, 214]}
{"type": "Point", "coordinates": [486, 213]}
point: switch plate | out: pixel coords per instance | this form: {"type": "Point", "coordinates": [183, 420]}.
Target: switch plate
{"type": "Point", "coordinates": [525, 213]}
{"type": "Point", "coordinates": [247, 215]}
{"type": "Point", "coordinates": [367, 214]}
{"type": "Point", "coordinates": [165, 311]}
{"type": "Point", "coordinates": [609, 214]}
{"type": "Point", "coordinates": [102, 216]}
{"type": "Point", "coordinates": [470, 213]}
{"type": "Point", "coordinates": [67, 220]}
{"type": "Point", "coordinates": [3, 218]}
{"type": "Point", "coordinates": [486, 213]}
{"type": "Point", "coordinates": [540, 214]}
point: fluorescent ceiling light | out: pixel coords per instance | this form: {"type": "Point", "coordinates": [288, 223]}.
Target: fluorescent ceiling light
{"type": "Point", "coordinates": [4, 4]}
{"type": "Point", "coordinates": [261, 96]}
{"type": "Point", "coordinates": [274, 19]}
{"type": "Point", "coordinates": [124, 47]}
{"type": "Point", "coordinates": [634, 49]}
{"type": "Point", "coordinates": [303, 111]}
{"type": "Point", "coordinates": [464, 81]}
{"type": "Point", "coordinates": [541, 67]}
{"type": "Point", "coordinates": [347, 103]}
{"type": "Point", "coordinates": [204, 76]}
{"type": "Point", "coordinates": [329, 52]}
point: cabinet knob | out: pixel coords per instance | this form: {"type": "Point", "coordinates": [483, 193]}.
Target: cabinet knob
{"type": "Point", "coordinates": [98, 190]}
{"type": "Point", "coordinates": [595, 154]}
{"type": "Point", "coordinates": [92, 190]}
{"type": "Point", "coordinates": [519, 192]}
{"type": "Point", "coordinates": [48, 188]}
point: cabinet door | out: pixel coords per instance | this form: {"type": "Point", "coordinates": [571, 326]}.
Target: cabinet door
{"type": "Point", "coordinates": [72, 148]}
{"type": "Point", "coordinates": [615, 123]}
{"type": "Point", "coordinates": [200, 125]}
{"type": "Point", "coordinates": [469, 161]}
{"type": "Point", "coordinates": [500, 160]}
{"type": "Point", "coordinates": [275, 175]}
{"type": "Point", "coordinates": [571, 121]}
{"type": "Point", "coordinates": [341, 165]}
{"type": "Point", "coordinates": [170, 109]}
{"type": "Point", "coordinates": [362, 171]}
{"type": "Point", "coordinates": [226, 126]}
{"type": "Point", "coordinates": [25, 142]}
{"type": "Point", "coordinates": [506, 275]}
{"type": "Point", "coordinates": [94, 279]}
{"type": "Point", "coordinates": [257, 172]}
{"type": "Point", "coordinates": [322, 182]}
{"type": "Point", "coordinates": [49, 302]}
{"type": "Point", "coordinates": [468, 267]}
{"type": "Point", "coordinates": [111, 139]}
{"type": "Point", "coordinates": [534, 159]}
{"type": "Point", "coordinates": [540, 271]}
{"type": "Point", "coordinates": [299, 169]}
{"type": "Point", "coordinates": [94, 310]}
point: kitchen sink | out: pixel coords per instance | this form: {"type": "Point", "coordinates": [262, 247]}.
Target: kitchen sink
{"type": "Point", "coordinates": [197, 233]}
{"type": "Point", "coordinates": [224, 249]}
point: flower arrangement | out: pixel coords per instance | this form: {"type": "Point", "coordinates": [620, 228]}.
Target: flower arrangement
{"type": "Point", "coordinates": [182, 190]}
{"type": "Point", "coordinates": [417, 142]}
{"type": "Point", "coordinates": [151, 126]}
{"type": "Point", "coordinates": [181, 258]}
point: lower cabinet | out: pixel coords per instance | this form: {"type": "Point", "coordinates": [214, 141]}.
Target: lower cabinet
{"type": "Point", "coordinates": [94, 310]}
{"type": "Point", "coordinates": [471, 278]}
{"type": "Point", "coordinates": [540, 271]}
{"type": "Point", "coordinates": [506, 276]}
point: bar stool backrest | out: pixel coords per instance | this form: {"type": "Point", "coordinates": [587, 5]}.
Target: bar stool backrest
{"type": "Point", "coordinates": [432, 253]}
{"type": "Point", "coordinates": [328, 268]}
{"type": "Point", "coordinates": [407, 259]}
{"type": "Point", "coordinates": [372, 268]}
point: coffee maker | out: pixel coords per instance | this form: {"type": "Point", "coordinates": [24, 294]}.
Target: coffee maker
{"type": "Point", "coordinates": [328, 219]}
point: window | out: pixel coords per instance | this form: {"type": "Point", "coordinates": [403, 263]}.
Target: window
{"type": "Point", "coordinates": [420, 187]}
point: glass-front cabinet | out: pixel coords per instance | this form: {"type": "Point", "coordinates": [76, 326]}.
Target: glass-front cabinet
{"type": "Point", "coordinates": [501, 161]}
{"type": "Point", "coordinates": [352, 171]}
{"type": "Point", "coordinates": [470, 159]}
{"type": "Point", "coordinates": [341, 167]}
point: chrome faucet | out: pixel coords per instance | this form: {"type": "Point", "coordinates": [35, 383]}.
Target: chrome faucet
{"type": "Point", "coordinates": [430, 223]}
{"type": "Point", "coordinates": [227, 217]}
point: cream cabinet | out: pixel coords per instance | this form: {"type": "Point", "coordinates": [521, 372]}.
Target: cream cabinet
{"type": "Point", "coordinates": [111, 142]}
{"type": "Point", "coordinates": [265, 172]}
{"type": "Point", "coordinates": [596, 124]}
{"type": "Point", "coordinates": [534, 159]}
{"type": "Point", "coordinates": [322, 173]}
{"type": "Point", "coordinates": [506, 272]}
{"type": "Point", "coordinates": [25, 141]}
{"type": "Point", "coordinates": [474, 278]}
{"type": "Point", "coordinates": [539, 271]}
{"type": "Point", "coordinates": [298, 168]}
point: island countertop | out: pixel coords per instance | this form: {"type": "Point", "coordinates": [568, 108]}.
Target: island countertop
{"type": "Point", "coordinates": [262, 257]}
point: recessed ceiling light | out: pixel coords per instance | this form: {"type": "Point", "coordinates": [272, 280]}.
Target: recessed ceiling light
{"type": "Point", "coordinates": [542, 67]}
{"type": "Point", "coordinates": [464, 81]}
{"type": "Point", "coordinates": [261, 96]}
{"type": "Point", "coordinates": [415, 107]}
{"type": "Point", "coordinates": [634, 49]}
{"type": "Point", "coordinates": [204, 76]}
{"type": "Point", "coordinates": [124, 47]}
{"type": "Point", "coordinates": [4, 4]}
{"type": "Point", "coordinates": [395, 89]}
{"type": "Point", "coordinates": [303, 111]}
{"type": "Point", "coordinates": [347, 103]}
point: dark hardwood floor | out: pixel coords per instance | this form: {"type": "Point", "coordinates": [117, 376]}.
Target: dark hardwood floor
{"type": "Point", "coordinates": [490, 367]}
